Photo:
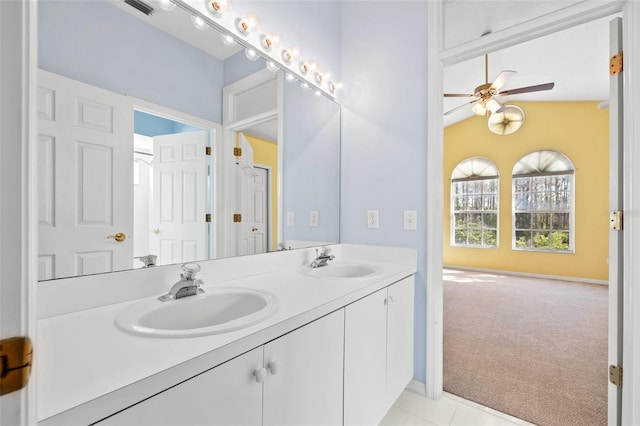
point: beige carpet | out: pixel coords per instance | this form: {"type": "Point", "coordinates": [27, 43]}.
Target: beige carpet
{"type": "Point", "coordinates": [532, 348]}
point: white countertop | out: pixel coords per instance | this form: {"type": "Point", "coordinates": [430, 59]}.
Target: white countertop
{"type": "Point", "coordinates": [83, 358]}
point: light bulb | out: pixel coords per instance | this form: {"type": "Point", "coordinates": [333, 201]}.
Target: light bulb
{"type": "Point", "coordinates": [334, 86]}
{"type": "Point", "coordinates": [228, 40]}
{"type": "Point", "coordinates": [307, 67]}
{"type": "Point", "coordinates": [251, 54]}
{"type": "Point", "coordinates": [217, 7]}
{"type": "Point", "coordinates": [166, 5]}
{"type": "Point", "coordinates": [290, 55]}
{"type": "Point", "coordinates": [248, 23]}
{"type": "Point", "coordinates": [320, 77]}
{"type": "Point", "coordinates": [271, 66]}
{"type": "Point", "coordinates": [290, 77]}
{"type": "Point", "coordinates": [270, 40]}
{"type": "Point", "coordinates": [199, 23]}
{"type": "Point", "coordinates": [479, 109]}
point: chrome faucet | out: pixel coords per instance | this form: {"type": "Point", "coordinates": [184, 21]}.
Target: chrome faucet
{"type": "Point", "coordinates": [188, 284]}
{"type": "Point", "coordinates": [322, 258]}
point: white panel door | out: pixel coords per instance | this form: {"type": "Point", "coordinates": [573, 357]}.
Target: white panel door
{"type": "Point", "coordinates": [245, 198]}
{"type": "Point", "coordinates": [85, 159]}
{"type": "Point", "coordinates": [399, 338]}
{"type": "Point", "coordinates": [304, 385]}
{"type": "Point", "coordinates": [225, 395]}
{"type": "Point", "coordinates": [365, 360]}
{"type": "Point", "coordinates": [179, 197]}
{"type": "Point", "coordinates": [259, 222]}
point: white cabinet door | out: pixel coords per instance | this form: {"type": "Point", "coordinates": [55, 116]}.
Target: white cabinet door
{"type": "Point", "coordinates": [399, 338]}
{"type": "Point", "coordinates": [304, 385]}
{"type": "Point", "coordinates": [365, 360]}
{"type": "Point", "coordinates": [226, 395]}
{"type": "Point", "coordinates": [378, 358]}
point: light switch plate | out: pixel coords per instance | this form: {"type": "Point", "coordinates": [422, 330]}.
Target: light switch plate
{"type": "Point", "coordinates": [291, 219]}
{"type": "Point", "coordinates": [410, 220]}
{"type": "Point", "coordinates": [314, 219]}
{"type": "Point", "coordinates": [372, 219]}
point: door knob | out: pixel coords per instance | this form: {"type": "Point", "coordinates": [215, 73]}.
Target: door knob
{"type": "Point", "coordinates": [156, 231]}
{"type": "Point", "coordinates": [119, 237]}
{"type": "Point", "coordinates": [254, 229]}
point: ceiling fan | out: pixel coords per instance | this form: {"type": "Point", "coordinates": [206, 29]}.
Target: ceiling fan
{"type": "Point", "coordinates": [485, 93]}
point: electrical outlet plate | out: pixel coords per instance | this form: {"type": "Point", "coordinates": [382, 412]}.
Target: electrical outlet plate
{"type": "Point", "coordinates": [372, 219]}
{"type": "Point", "coordinates": [410, 219]}
{"type": "Point", "coordinates": [314, 219]}
{"type": "Point", "coordinates": [291, 219]}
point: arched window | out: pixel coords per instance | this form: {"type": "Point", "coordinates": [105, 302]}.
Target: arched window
{"type": "Point", "coordinates": [474, 203]}
{"type": "Point", "coordinates": [543, 202]}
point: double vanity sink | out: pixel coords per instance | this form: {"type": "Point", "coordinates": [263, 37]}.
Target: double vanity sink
{"type": "Point", "coordinates": [220, 310]}
{"type": "Point", "coordinates": [119, 344]}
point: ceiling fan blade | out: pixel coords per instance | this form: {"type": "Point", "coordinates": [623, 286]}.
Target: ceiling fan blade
{"type": "Point", "coordinates": [502, 79]}
{"type": "Point", "coordinates": [460, 107]}
{"type": "Point", "coordinates": [536, 88]}
{"type": "Point", "coordinates": [457, 95]}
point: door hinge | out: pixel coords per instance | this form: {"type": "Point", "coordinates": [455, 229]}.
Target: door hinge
{"type": "Point", "coordinates": [615, 64]}
{"type": "Point", "coordinates": [237, 152]}
{"type": "Point", "coordinates": [615, 219]}
{"type": "Point", "coordinates": [237, 217]}
{"type": "Point", "coordinates": [615, 375]}
{"type": "Point", "coordinates": [207, 150]}
{"type": "Point", "coordinates": [207, 217]}
{"type": "Point", "coordinates": [15, 363]}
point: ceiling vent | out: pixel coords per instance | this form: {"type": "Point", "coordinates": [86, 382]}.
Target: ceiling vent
{"type": "Point", "coordinates": [141, 6]}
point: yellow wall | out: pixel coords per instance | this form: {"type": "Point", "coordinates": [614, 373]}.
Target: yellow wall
{"type": "Point", "coordinates": [266, 153]}
{"type": "Point", "coordinates": [577, 129]}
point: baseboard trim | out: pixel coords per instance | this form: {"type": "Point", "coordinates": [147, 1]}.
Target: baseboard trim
{"type": "Point", "coordinates": [530, 275]}
{"type": "Point", "coordinates": [417, 387]}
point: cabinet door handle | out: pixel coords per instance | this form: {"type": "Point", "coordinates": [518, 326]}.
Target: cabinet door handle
{"type": "Point", "coordinates": [260, 374]}
{"type": "Point", "coordinates": [391, 299]}
{"type": "Point", "coordinates": [274, 367]}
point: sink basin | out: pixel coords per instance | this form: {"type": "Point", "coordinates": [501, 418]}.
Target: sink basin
{"type": "Point", "coordinates": [217, 310]}
{"type": "Point", "coordinates": [341, 270]}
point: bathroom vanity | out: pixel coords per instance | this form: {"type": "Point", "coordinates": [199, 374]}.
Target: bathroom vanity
{"type": "Point", "coordinates": [337, 350]}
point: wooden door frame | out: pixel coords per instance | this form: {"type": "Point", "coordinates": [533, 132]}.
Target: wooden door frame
{"type": "Point", "coordinates": [437, 58]}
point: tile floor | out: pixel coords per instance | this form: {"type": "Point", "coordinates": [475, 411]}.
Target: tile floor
{"type": "Point", "coordinates": [412, 409]}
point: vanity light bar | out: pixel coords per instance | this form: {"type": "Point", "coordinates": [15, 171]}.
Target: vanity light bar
{"type": "Point", "coordinates": [244, 30]}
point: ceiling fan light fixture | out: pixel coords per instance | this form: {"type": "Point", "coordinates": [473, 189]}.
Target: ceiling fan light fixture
{"type": "Point", "coordinates": [479, 109]}
{"type": "Point", "coordinates": [493, 105]}
{"type": "Point", "coordinates": [506, 122]}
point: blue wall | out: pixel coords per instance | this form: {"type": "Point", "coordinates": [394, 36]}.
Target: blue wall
{"type": "Point", "coordinates": [384, 133]}
{"type": "Point", "coordinates": [99, 44]}
{"type": "Point", "coordinates": [152, 125]}
{"type": "Point", "coordinates": [311, 178]}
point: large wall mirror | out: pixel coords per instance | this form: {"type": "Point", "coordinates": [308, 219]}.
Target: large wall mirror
{"type": "Point", "coordinates": [159, 143]}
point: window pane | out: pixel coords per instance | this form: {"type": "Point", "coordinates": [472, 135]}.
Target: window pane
{"type": "Point", "coordinates": [490, 186]}
{"type": "Point", "coordinates": [523, 239]}
{"type": "Point", "coordinates": [540, 221]}
{"type": "Point", "coordinates": [523, 220]}
{"type": "Point", "coordinates": [475, 237]}
{"type": "Point", "coordinates": [490, 220]}
{"type": "Point", "coordinates": [560, 221]}
{"type": "Point", "coordinates": [474, 220]}
{"type": "Point", "coordinates": [460, 220]}
{"type": "Point", "coordinates": [560, 240]}
{"type": "Point", "coordinates": [459, 203]}
{"type": "Point", "coordinates": [476, 202]}
{"type": "Point", "coordinates": [522, 201]}
{"type": "Point", "coordinates": [461, 236]}
{"type": "Point", "coordinates": [489, 202]}
{"type": "Point", "coordinates": [490, 238]}
{"type": "Point", "coordinates": [541, 240]}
